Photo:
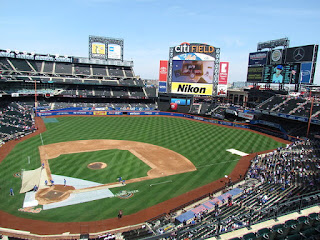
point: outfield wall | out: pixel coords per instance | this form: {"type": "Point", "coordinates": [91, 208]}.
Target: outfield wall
{"type": "Point", "coordinates": [134, 113]}
{"type": "Point", "coordinates": [147, 113]}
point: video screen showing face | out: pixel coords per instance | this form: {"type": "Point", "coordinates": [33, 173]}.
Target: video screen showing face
{"type": "Point", "coordinates": [193, 71]}
{"type": "Point", "coordinates": [278, 74]}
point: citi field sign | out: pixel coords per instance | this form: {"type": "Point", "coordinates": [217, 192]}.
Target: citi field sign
{"type": "Point", "coordinates": [186, 47]}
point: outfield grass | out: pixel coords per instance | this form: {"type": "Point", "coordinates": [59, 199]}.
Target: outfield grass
{"type": "Point", "coordinates": [203, 144]}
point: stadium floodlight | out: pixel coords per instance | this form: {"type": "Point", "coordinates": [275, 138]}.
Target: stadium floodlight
{"type": "Point", "coordinates": [273, 43]}
{"type": "Point", "coordinates": [8, 50]}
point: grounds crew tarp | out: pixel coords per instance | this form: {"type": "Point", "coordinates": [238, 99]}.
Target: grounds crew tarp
{"type": "Point", "coordinates": [33, 177]}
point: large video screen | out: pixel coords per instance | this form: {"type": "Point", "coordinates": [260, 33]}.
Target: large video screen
{"type": "Point", "coordinates": [255, 73]}
{"type": "Point", "coordinates": [193, 71]}
{"type": "Point", "coordinates": [285, 73]}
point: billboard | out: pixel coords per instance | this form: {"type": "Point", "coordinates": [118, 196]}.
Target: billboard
{"type": "Point", "coordinates": [255, 74]}
{"type": "Point", "coordinates": [180, 101]}
{"type": "Point", "coordinates": [223, 73]}
{"type": "Point", "coordinates": [191, 88]}
{"type": "Point", "coordinates": [105, 48]}
{"type": "Point", "coordinates": [305, 72]}
{"type": "Point", "coordinates": [193, 68]}
{"type": "Point", "coordinates": [300, 54]}
{"type": "Point", "coordinates": [163, 87]}
{"type": "Point", "coordinates": [223, 79]}
{"type": "Point", "coordinates": [114, 51]}
{"type": "Point", "coordinates": [276, 56]}
{"type": "Point", "coordinates": [222, 90]}
{"type": "Point", "coordinates": [163, 71]}
{"type": "Point", "coordinates": [258, 58]}
{"type": "Point", "coordinates": [192, 72]}
{"type": "Point", "coordinates": [98, 48]}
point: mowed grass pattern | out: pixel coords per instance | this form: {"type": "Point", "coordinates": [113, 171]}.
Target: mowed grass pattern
{"type": "Point", "coordinates": [120, 163]}
{"type": "Point", "coordinates": [203, 144]}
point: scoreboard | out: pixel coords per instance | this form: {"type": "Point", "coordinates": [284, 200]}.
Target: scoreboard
{"type": "Point", "coordinates": [283, 66]}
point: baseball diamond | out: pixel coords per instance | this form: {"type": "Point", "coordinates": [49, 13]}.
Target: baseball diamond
{"type": "Point", "coordinates": [155, 135]}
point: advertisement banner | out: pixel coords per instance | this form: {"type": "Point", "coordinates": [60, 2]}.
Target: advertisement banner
{"type": "Point", "coordinates": [180, 101]}
{"type": "Point", "coordinates": [222, 90]}
{"type": "Point", "coordinates": [191, 88]}
{"type": "Point", "coordinates": [223, 73]}
{"type": "Point", "coordinates": [305, 72]}
{"type": "Point", "coordinates": [258, 58]}
{"type": "Point", "coordinates": [276, 56]}
{"type": "Point", "coordinates": [163, 71]}
{"type": "Point", "coordinates": [114, 51]}
{"type": "Point", "coordinates": [115, 113]}
{"type": "Point", "coordinates": [99, 113]}
{"type": "Point", "coordinates": [300, 54]}
{"type": "Point", "coordinates": [98, 48]}
{"type": "Point", "coordinates": [201, 48]}
{"type": "Point", "coordinates": [163, 87]}
{"type": "Point", "coordinates": [246, 115]}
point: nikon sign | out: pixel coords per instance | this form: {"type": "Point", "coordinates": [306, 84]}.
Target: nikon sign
{"type": "Point", "coordinates": [191, 88]}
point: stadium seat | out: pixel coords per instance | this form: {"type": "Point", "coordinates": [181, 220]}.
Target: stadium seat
{"type": "Point", "coordinates": [314, 217]}
{"type": "Point", "coordinates": [305, 222]}
{"type": "Point", "coordinates": [265, 233]}
{"type": "Point", "coordinates": [249, 236]}
{"type": "Point", "coordinates": [281, 230]}
{"type": "Point", "coordinates": [294, 226]}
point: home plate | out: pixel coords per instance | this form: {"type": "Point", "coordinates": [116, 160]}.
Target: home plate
{"type": "Point", "coordinates": [234, 151]}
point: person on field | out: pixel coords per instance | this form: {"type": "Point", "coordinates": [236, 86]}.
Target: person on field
{"type": "Point", "coordinates": [120, 214]}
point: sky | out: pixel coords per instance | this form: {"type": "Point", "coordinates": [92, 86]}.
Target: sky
{"type": "Point", "coordinates": [150, 27]}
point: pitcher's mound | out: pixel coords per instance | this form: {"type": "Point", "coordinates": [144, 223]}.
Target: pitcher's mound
{"type": "Point", "coordinates": [53, 194]}
{"type": "Point", "coordinates": [97, 165]}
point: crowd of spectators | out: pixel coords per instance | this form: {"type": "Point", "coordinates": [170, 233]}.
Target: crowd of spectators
{"type": "Point", "coordinates": [297, 164]}
{"type": "Point", "coordinates": [16, 121]}
{"type": "Point", "coordinates": [280, 178]}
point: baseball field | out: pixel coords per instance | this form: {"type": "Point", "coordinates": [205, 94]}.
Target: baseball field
{"type": "Point", "coordinates": [204, 145]}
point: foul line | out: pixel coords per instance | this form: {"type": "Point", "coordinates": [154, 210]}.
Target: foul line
{"type": "Point", "coordinates": [41, 139]}
{"type": "Point", "coordinates": [216, 163]}
{"type": "Point", "coordinates": [160, 183]}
